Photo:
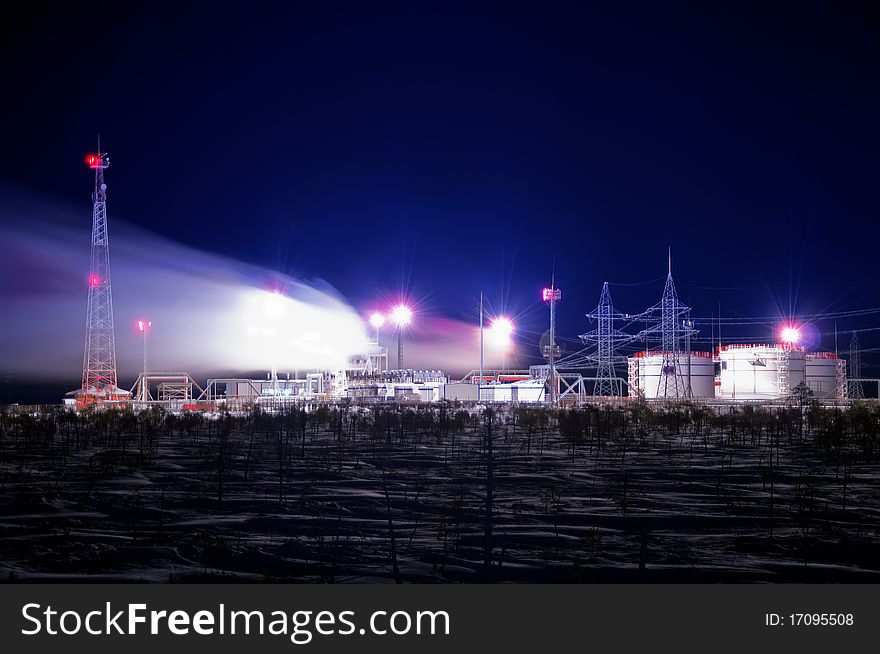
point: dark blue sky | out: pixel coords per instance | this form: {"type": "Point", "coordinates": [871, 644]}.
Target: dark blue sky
{"type": "Point", "coordinates": [450, 148]}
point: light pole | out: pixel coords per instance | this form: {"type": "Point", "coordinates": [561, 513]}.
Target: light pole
{"type": "Point", "coordinates": [501, 334]}
{"type": "Point", "coordinates": [144, 326]}
{"type": "Point", "coordinates": [401, 315]}
{"type": "Point", "coordinates": [689, 325]}
{"type": "Point", "coordinates": [480, 381]}
{"type": "Point", "coordinates": [377, 320]}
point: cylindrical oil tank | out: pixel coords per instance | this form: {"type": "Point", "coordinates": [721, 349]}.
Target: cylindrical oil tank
{"type": "Point", "coordinates": [826, 375]}
{"type": "Point", "coordinates": [759, 372]}
{"type": "Point", "coordinates": [646, 374]}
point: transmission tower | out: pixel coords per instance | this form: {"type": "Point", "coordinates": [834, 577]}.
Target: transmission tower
{"type": "Point", "coordinates": [99, 360]}
{"type": "Point", "coordinates": [605, 338]}
{"type": "Point", "coordinates": [673, 324]}
{"type": "Point", "coordinates": [856, 391]}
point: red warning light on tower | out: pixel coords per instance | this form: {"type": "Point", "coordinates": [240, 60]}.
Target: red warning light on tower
{"type": "Point", "coordinates": [97, 160]}
{"type": "Point", "coordinates": [94, 280]}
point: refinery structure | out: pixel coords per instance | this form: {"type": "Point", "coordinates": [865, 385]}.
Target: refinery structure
{"type": "Point", "coordinates": [646, 356]}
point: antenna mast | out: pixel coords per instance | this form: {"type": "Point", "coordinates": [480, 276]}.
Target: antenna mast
{"type": "Point", "coordinates": [552, 295]}
{"type": "Point", "coordinates": [99, 381]}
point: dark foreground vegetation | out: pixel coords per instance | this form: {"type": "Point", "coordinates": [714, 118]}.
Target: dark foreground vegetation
{"type": "Point", "coordinates": [343, 493]}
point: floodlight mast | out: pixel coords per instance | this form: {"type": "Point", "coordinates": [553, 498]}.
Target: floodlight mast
{"type": "Point", "coordinates": [143, 326]}
{"type": "Point", "coordinates": [480, 381]}
{"type": "Point", "coordinates": [377, 319]}
{"type": "Point", "coordinates": [401, 315]}
{"type": "Point", "coordinates": [502, 329]}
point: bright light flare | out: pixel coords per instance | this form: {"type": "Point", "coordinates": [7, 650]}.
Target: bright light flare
{"type": "Point", "coordinates": [377, 320]}
{"type": "Point", "coordinates": [94, 280]}
{"type": "Point", "coordinates": [500, 332]}
{"type": "Point", "coordinates": [503, 326]}
{"type": "Point", "coordinates": [143, 325]}
{"type": "Point", "coordinates": [790, 335]}
{"type": "Point", "coordinates": [401, 315]}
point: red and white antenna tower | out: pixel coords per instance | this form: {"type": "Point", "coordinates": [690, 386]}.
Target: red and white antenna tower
{"type": "Point", "coordinates": [99, 381]}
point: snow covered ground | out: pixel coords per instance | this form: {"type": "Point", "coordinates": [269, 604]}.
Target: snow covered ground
{"type": "Point", "coordinates": [355, 494]}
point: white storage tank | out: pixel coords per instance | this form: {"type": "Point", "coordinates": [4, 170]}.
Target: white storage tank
{"type": "Point", "coordinates": [760, 372]}
{"type": "Point", "coordinates": [826, 375]}
{"type": "Point", "coordinates": [645, 371]}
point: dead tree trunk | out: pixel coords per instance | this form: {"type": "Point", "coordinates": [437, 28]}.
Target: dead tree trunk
{"type": "Point", "coordinates": [490, 488]}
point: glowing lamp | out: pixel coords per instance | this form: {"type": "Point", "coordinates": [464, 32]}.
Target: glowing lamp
{"type": "Point", "coordinates": [500, 332]}
{"type": "Point", "coordinates": [94, 280]}
{"type": "Point", "coordinates": [790, 335]}
{"type": "Point", "coordinates": [401, 315]}
{"type": "Point", "coordinates": [377, 320]}
{"type": "Point", "coordinates": [503, 326]}
{"type": "Point", "coordinates": [143, 325]}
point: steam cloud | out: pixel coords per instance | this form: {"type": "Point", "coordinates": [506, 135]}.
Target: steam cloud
{"type": "Point", "coordinates": [210, 314]}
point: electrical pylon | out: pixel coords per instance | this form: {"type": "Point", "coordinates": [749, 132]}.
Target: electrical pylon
{"type": "Point", "coordinates": [856, 390]}
{"type": "Point", "coordinates": [606, 339]}
{"type": "Point", "coordinates": [99, 381]}
{"type": "Point", "coordinates": [673, 326]}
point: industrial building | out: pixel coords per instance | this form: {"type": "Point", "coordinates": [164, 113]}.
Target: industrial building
{"type": "Point", "coordinates": [522, 391]}
{"type": "Point", "coordinates": [389, 385]}
{"type": "Point", "coordinates": [406, 385]}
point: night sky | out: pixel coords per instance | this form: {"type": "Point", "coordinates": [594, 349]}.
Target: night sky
{"type": "Point", "coordinates": [440, 150]}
